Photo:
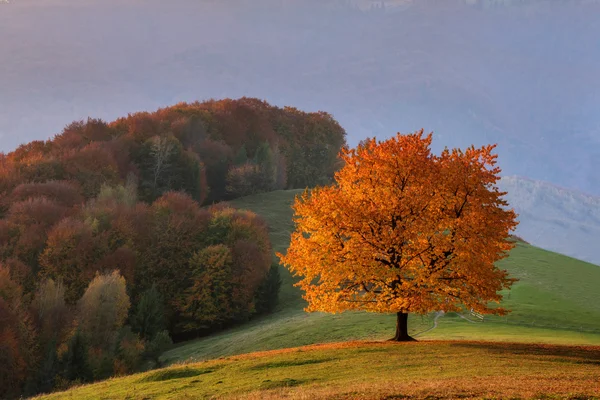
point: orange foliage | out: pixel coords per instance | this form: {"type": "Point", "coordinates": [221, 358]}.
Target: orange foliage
{"type": "Point", "coordinates": [17, 346]}
{"type": "Point", "coordinates": [79, 133]}
{"type": "Point", "coordinates": [92, 166]}
{"type": "Point", "coordinates": [28, 223]}
{"type": "Point", "coordinates": [250, 266]}
{"type": "Point", "coordinates": [404, 230]}
{"type": "Point", "coordinates": [14, 365]}
{"type": "Point", "coordinates": [122, 258]}
{"type": "Point", "coordinates": [205, 137]}
{"type": "Point", "coordinates": [207, 301]}
{"type": "Point", "coordinates": [63, 192]}
{"type": "Point", "coordinates": [71, 253]}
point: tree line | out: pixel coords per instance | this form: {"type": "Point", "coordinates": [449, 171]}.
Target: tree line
{"type": "Point", "coordinates": [210, 150]}
{"type": "Point", "coordinates": [107, 253]}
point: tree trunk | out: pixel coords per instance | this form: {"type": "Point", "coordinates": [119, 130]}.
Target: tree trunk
{"type": "Point", "coordinates": [402, 328]}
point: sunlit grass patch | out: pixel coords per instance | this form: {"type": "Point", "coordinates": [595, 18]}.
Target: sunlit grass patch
{"type": "Point", "coordinates": [378, 370]}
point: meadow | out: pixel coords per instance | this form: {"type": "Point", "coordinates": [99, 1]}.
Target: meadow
{"type": "Point", "coordinates": [547, 347]}
{"type": "Point", "coordinates": [380, 370]}
{"type": "Point", "coordinates": [555, 301]}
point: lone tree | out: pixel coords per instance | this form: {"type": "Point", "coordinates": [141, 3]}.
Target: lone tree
{"type": "Point", "coordinates": [405, 231]}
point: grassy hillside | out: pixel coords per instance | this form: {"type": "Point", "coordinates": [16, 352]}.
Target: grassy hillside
{"type": "Point", "coordinates": [440, 370]}
{"type": "Point", "coordinates": [555, 301]}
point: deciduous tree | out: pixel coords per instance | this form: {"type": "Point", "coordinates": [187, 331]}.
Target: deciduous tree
{"type": "Point", "coordinates": [17, 337]}
{"type": "Point", "coordinates": [103, 309]}
{"type": "Point", "coordinates": [53, 322]}
{"type": "Point", "coordinates": [405, 231]}
{"type": "Point", "coordinates": [207, 302]}
{"type": "Point", "coordinates": [71, 254]}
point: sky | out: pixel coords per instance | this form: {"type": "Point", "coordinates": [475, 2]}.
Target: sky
{"type": "Point", "coordinates": [523, 74]}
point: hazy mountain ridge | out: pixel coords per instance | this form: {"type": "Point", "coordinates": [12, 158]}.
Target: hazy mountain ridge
{"type": "Point", "coordinates": [554, 218]}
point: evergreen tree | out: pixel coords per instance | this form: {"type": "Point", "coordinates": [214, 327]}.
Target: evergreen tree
{"type": "Point", "coordinates": [75, 362]}
{"type": "Point", "coordinates": [48, 370]}
{"type": "Point", "coordinates": [149, 317]}
{"type": "Point", "coordinates": [267, 294]}
{"type": "Point", "coordinates": [161, 343]}
{"type": "Point", "coordinates": [267, 165]}
{"type": "Point", "coordinates": [241, 157]}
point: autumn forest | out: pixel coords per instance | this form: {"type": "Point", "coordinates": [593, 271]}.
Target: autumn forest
{"type": "Point", "coordinates": [116, 238]}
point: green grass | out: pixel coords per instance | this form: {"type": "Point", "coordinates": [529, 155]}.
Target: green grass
{"type": "Point", "coordinates": [419, 370]}
{"type": "Point", "coordinates": [555, 301]}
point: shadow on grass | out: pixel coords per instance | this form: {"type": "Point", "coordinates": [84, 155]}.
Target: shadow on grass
{"type": "Point", "coordinates": [290, 363]}
{"type": "Point", "coordinates": [283, 383]}
{"type": "Point", "coordinates": [576, 354]}
{"type": "Point", "coordinates": [179, 373]}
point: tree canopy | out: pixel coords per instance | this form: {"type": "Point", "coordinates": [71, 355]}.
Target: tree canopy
{"type": "Point", "coordinates": [127, 196]}
{"type": "Point", "coordinates": [405, 231]}
{"type": "Point", "coordinates": [208, 150]}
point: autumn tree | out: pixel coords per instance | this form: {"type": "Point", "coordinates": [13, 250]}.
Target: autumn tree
{"type": "Point", "coordinates": [164, 166]}
{"type": "Point", "coordinates": [207, 302]}
{"type": "Point", "coordinates": [92, 166]}
{"type": "Point", "coordinates": [244, 180]}
{"type": "Point", "coordinates": [33, 219]}
{"type": "Point", "coordinates": [129, 352]}
{"type": "Point", "coordinates": [174, 235]}
{"type": "Point", "coordinates": [51, 313]}
{"type": "Point", "coordinates": [103, 309]}
{"type": "Point", "coordinates": [128, 194]}
{"type": "Point", "coordinates": [160, 153]}
{"type": "Point", "coordinates": [404, 231]}
{"type": "Point", "coordinates": [101, 314]}
{"type": "Point", "coordinates": [216, 156]}
{"type": "Point", "coordinates": [71, 254]}
{"type": "Point", "coordinates": [53, 321]}
{"type": "Point", "coordinates": [17, 337]}
{"type": "Point", "coordinates": [62, 192]}
{"type": "Point", "coordinates": [14, 369]}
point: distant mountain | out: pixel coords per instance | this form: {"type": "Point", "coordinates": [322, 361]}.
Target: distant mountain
{"type": "Point", "coordinates": [557, 219]}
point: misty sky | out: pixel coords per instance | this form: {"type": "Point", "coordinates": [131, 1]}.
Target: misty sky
{"type": "Point", "coordinates": [525, 76]}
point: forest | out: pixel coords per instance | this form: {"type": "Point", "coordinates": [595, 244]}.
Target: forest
{"type": "Point", "coordinates": [116, 238]}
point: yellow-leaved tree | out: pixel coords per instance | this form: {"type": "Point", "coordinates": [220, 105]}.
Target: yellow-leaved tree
{"type": "Point", "coordinates": [404, 231]}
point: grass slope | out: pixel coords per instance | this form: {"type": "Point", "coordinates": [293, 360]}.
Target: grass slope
{"type": "Point", "coordinates": [384, 370]}
{"type": "Point", "coordinates": [555, 301]}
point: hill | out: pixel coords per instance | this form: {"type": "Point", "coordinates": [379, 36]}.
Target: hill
{"type": "Point", "coordinates": [524, 77]}
{"type": "Point", "coordinates": [554, 302]}
{"type": "Point", "coordinates": [440, 370]}
{"type": "Point", "coordinates": [555, 218]}
{"type": "Point", "coordinates": [126, 196]}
